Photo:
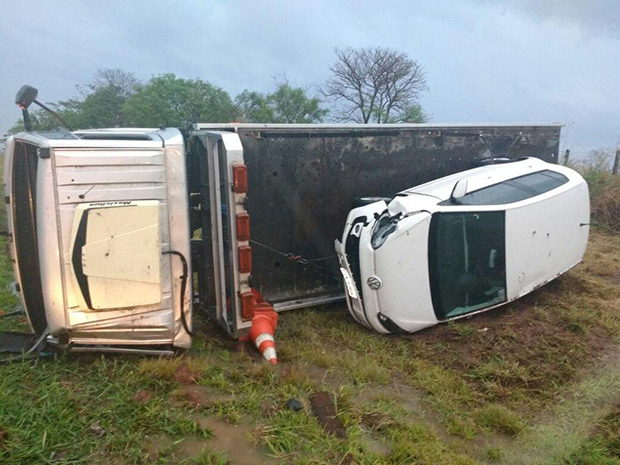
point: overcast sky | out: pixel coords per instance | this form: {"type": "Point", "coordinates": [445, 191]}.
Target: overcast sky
{"type": "Point", "coordinates": [523, 61]}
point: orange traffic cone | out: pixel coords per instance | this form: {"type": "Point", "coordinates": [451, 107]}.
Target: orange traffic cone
{"type": "Point", "coordinates": [262, 331]}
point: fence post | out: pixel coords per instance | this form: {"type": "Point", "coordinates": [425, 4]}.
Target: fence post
{"type": "Point", "coordinates": [566, 156]}
{"type": "Point", "coordinates": [616, 162]}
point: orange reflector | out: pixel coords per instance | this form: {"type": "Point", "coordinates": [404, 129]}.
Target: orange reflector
{"type": "Point", "coordinates": [240, 178]}
{"type": "Point", "coordinates": [243, 227]}
{"type": "Point", "coordinates": [247, 305]}
{"type": "Point", "coordinates": [245, 259]}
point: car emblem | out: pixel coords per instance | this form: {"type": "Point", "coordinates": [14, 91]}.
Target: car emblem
{"type": "Point", "coordinates": [374, 283]}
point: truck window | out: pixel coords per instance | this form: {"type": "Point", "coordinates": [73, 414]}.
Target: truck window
{"type": "Point", "coordinates": [514, 190]}
{"type": "Point", "coordinates": [467, 262]}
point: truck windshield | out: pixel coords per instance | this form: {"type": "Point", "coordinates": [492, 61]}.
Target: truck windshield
{"type": "Point", "coordinates": [467, 264]}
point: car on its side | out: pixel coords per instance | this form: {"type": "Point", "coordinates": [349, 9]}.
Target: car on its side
{"type": "Point", "coordinates": [462, 244]}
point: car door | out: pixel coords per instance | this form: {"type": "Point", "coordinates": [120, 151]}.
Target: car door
{"type": "Point", "coordinates": [546, 235]}
{"type": "Point", "coordinates": [542, 220]}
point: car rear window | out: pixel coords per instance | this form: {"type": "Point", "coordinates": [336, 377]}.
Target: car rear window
{"type": "Point", "coordinates": [514, 190]}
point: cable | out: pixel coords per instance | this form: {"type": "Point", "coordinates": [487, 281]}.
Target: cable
{"type": "Point", "coordinates": [44, 334]}
{"type": "Point", "coordinates": [299, 259]}
{"type": "Point", "coordinates": [183, 286]}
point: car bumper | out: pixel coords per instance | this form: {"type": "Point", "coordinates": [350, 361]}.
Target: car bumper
{"type": "Point", "coordinates": [356, 258]}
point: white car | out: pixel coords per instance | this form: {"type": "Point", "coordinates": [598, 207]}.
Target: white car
{"type": "Point", "coordinates": [462, 244]}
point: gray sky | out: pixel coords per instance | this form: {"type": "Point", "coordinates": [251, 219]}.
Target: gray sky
{"type": "Point", "coordinates": [521, 61]}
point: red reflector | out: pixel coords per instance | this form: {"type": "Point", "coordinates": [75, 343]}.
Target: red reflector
{"type": "Point", "coordinates": [247, 305]}
{"type": "Point", "coordinates": [245, 259]}
{"type": "Point", "coordinates": [243, 227]}
{"type": "Point", "coordinates": [240, 178]}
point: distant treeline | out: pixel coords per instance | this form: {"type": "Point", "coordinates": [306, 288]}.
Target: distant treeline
{"type": "Point", "coordinates": [366, 85]}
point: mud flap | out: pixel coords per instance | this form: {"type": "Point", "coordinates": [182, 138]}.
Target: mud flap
{"type": "Point", "coordinates": [15, 347]}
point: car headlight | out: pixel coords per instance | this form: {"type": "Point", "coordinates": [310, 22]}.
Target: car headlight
{"type": "Point", "coordinates": [385, 226]}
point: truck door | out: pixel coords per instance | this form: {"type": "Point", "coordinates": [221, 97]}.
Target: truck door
{"type": "Point", "coordinates": [225, 247]}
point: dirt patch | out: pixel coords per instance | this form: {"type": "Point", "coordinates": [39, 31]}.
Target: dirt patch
{"type": "Point", "coordinates": [375, 445]}
{"type": "Point", "coordinates": [231, 439]}
{"type": "Point", "coordinates": [377, 421]}
{"type": "Point", "coordinates": [142, 397]}
{"type": "Point", "coordinates": [157, 447]}
{"type": "Point", "coordinates": [403, 395]}
{"type": "Point", "coordinates": [324, 376]}
{"type": "Point", "coordinates": [184, 375]}
{"type": "Point", "coordinates": [201, 396]}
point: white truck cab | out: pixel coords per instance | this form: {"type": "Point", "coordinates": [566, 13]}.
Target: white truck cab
{"type": "Point", "coordinates": [100, 236]}
{"type": "Point", "coordinates": [462, 244]}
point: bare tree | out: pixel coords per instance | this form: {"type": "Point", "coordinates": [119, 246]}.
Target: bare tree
{"type": "Point", "coordinates": [375, 85]}
{"type": "Point", "coordinates": [124, 83]}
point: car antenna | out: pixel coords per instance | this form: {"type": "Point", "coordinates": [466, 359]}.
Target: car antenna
{"type": "Point", "coordinates": [25, 97]}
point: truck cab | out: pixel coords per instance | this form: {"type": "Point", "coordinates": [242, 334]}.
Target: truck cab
{"type": "Point", "coordinates": [99, 233]}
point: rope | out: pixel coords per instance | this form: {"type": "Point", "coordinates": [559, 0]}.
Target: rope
{"type": "Point", "coordinates": [298, 258]}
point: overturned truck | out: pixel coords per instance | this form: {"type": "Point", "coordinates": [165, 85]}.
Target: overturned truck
{"type": "Point", "coordinates": [118, 235]}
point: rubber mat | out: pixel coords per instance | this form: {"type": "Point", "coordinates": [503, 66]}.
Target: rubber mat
{"type": "Point", "coordinates": [17, 343]}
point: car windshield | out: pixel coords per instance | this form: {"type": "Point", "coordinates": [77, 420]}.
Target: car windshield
{"type": "Point", "coordinates": [467, 262]}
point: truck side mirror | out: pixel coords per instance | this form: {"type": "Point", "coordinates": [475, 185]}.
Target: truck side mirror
{"type": "Point", "coordinates": [25, 96]}
{"type": "Point", "coordinates": [459, 191]}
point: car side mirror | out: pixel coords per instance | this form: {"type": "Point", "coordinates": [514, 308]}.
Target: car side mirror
{"type": "Point", "coordinates": [459, 191]}
{"type": "Point", "coordinates": [25, 96]}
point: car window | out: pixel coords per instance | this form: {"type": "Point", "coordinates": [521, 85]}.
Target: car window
{"type": "Point", "coordinates": [541, 182]}
{"type": "Point", "coordinates": [467, 262]}
{"type": "Point", "coordinates": [498, 194]}
{"type": "Point", "coordinates": [514, 190]}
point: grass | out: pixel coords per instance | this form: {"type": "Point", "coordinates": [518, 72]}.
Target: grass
{"type": "Point", "coordinates": [604, 189]}
{"type": "Point", "coordinates": [500, 419]}
{"type": "Point", "coordinates": [533, 382]}
{"type": "Point", "coordinates": [603, 446]}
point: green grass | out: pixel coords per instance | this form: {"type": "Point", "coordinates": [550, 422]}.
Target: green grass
{"type": "Point", "coordinates": [500, 419]}
{"type": "Point", "coordinates": [603, 446]}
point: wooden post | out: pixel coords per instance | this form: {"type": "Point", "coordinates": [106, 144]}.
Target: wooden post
{"type": "Point", "coordinates": [566, 156]}
{"type": "Point", "coordinates": [616, 163]}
